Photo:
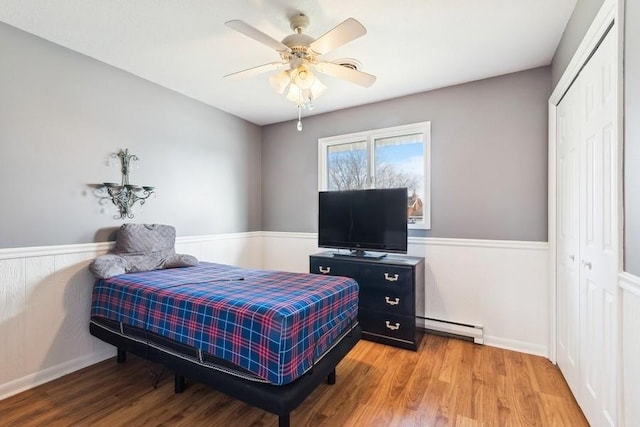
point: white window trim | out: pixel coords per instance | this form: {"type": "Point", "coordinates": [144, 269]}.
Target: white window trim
{"type": "Point", "coordinates": [422, 127]}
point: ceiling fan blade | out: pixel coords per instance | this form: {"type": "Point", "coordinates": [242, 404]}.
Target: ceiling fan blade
{"type": "Point", "coordinates": [256, 70]}
{"type": "Point", "coordinates": [254, 33]}
{"type": "Point", "coordinates": [346, 73]}
{"type": "Point", "coordinates": [343, 33]}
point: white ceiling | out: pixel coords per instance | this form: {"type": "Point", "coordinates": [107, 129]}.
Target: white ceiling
{"type": "Point", "coordinates": [411, 45]}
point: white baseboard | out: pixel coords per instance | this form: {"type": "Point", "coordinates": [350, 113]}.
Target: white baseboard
{"type": "Point", "coordinates": [517, 345]}
{"type": "Point", "coordinates": [476, 333]}
{"type": "Point", "coordinates": [49, 374]}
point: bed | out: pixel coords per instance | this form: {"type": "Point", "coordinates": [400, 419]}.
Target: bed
{"type": "Point", "coordinates": [267, 338]}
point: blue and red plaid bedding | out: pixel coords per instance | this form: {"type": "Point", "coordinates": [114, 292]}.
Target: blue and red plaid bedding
{"type": "Point", "coordinates": [273, 324]}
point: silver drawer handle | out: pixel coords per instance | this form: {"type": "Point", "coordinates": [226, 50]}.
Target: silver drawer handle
{"type": "Point", "coordinates": [389, 278]}
{"type": "Point", "coordinates": [392, 327]}
{"type": "Point", "coordinates": [390, 301]}
{"type": "Point", "coordinates": [587, 264]}
{"type": "Point", "coordinates": [324, 270]}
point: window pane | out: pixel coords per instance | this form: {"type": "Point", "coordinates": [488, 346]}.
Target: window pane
{"type": "Point", "coordinates": [399, 162]}
{"type": "Point", "coordinates": [375, 159]}
{"type": "Point", "coordinates": [347, 167]}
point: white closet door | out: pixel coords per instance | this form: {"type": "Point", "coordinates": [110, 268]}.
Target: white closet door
{"type": "Point", "coordinates": [568, 246]}
{"type": "Point", "coordinates": [587, 238]}
{"type": "Point", "coordinates": [599, 235]}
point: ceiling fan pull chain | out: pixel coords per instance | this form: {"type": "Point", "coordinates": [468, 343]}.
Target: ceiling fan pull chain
{"type": "Point", "coordinates": [299, 125]}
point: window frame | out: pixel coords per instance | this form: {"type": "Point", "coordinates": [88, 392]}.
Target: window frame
{"type": "Point", "coordinates": [370, 136]}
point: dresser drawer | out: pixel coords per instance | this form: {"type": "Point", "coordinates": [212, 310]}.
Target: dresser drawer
{"type": "Point", "coordinates": [387, 277]}
{"type": "Point", "coordinates": [332, 267]}
{"type": "Point", "coordinates": [388, 325]}
{"type": "Point", "coordinates": [366, 274]}
{"type": "Point", "coordinates": [397, 301]}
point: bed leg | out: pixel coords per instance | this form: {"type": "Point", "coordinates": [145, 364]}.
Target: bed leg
{"type": "Point", "coordinates": [283, 420]}
{"type": "Point", "coordinates": [122, 355]}
{"type": "Point", "coordinates": [178, 383]}
{"type": "Point", "coordinates": [331, 378]}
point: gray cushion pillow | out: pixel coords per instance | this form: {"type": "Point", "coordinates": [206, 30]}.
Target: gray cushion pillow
{"type": "Point", "coordinates": [107, 266]}
{"type": "Point", "coordinates": [141, 247]}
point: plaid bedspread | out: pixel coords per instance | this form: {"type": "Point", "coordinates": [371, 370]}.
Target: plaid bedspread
{"type": "Point", "coordinates": [273, 324]}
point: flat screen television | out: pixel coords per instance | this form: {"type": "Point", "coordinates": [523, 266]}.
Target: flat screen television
{"type": "Point", "coordinates": [363, 220]}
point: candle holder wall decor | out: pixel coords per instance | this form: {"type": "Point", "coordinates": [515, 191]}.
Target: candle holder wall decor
{"type": "Point", "coordinates": [124, 195]}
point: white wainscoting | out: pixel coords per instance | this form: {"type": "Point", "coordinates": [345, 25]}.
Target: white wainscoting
{"type": "Point", "coordinates": [45, 294]}
{"type": "Point", "coordinates": [241, 249]}
{"type": "Point", "coordinates": [45, 297]}
{"type": "Point", "coordinates": [502, 286]}
{"type": "Point", "coordinates": [630, 338]}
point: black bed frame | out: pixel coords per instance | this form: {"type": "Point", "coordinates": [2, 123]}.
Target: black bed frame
{"type": "Point", "coordinates": [279, 400]}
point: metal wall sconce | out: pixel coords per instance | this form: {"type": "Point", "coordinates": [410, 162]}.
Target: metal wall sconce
{"type": "Point", "coordinates": [124, 195]}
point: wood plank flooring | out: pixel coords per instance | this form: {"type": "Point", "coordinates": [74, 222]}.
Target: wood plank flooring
{"type": "Point", "coordinates": [448, 382]}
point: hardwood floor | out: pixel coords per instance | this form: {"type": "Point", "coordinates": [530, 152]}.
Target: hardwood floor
{"type": "Point", "coordinates": [448, 382]}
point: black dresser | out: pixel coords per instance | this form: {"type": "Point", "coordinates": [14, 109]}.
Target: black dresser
{"type": "Point", "coordinates": [387, 300]}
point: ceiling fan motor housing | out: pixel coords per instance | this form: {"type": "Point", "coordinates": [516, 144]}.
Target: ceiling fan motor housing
{"type": "Point", "coordinates": [298, 42]}
{"type": "Point", "coordinates": [299, 22]}
{"type": "Point", "coordinates": [299, 45]}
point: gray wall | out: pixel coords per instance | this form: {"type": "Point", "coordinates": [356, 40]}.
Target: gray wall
{"type": "Point", "coordinates": [489, 158]}
{"type": "Point", "coordinates": [632, 137]}
{"type": "Point", "coordinates": [62, 113]}
{"type": "Point", "coordinates": [578, 24]}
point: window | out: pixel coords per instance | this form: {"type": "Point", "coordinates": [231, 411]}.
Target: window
{"type": "Point", "coordinates": [383, 158]}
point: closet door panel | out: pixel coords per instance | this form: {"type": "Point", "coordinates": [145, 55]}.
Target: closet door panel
{"type": "Point", "coordinates": [609, 222]}
{"type": "Point", "coordinates": [598, 237]}
{"type": "Point", "coordinates": [568, 290]}
{"type": "Point", "coordinates": [590, 340]}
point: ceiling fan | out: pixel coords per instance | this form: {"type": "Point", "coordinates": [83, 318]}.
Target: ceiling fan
{"type": "Point", "coordinates": [300, 55]}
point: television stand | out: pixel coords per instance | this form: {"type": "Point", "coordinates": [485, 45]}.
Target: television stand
{"type": "Point", "coordinates": [357, 253]}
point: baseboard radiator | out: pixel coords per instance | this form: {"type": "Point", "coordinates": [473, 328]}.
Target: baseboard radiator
{"type": "Point", "coordinates": [473, 333]}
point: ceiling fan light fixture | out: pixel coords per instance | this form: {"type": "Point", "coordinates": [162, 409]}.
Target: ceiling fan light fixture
{"type": "Point", "coordinates": [317, 89]}
{"type": "Point", "coordinates": [304, 95]}
{"type": "Point", "coordinates": [280, 81]}
{"type": "Point", "coordinates": [304, 78]}
{"type": "Point", "coordinates": [297, 95]}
